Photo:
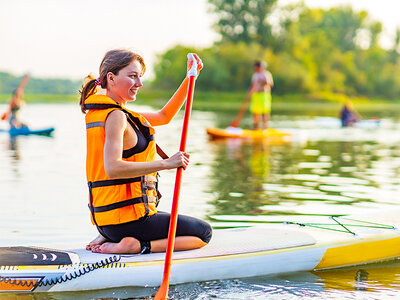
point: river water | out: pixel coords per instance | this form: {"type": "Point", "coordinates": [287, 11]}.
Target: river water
{"type": "Point", "coordinates": [322, 170]}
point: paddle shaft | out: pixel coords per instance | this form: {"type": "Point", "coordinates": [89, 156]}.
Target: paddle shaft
{"type": "Point", "coordinates": [242, 110]}
{"type": "Point", "coordinates": [162, 292]}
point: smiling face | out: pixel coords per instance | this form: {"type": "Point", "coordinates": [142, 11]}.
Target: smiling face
{"type": "Point", "coordinates": [124, 86]}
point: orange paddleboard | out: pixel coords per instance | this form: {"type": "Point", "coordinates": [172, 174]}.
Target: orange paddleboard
{"type": "Point", "coordinates": [233, 132]}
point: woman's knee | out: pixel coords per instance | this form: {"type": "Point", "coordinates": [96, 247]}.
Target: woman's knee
{"type": "Point", "coordinates": [207, 233]}
{"type": "Point", "coordinates": [190, 226]}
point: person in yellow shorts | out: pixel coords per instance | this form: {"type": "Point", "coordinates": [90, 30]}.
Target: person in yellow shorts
{"type": "Point", "coordinates": [260, 95]}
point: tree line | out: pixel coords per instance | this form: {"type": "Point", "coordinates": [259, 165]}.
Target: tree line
{"type": "Point", "coordinates": [9, 83]}
{"type": "Point", "coordinates": [308, 50]}
{"type": "Point", "coordinates": [312, 51]}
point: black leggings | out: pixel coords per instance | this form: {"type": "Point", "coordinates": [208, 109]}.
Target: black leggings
{"type": "Point", "coordinates": [155, 227]}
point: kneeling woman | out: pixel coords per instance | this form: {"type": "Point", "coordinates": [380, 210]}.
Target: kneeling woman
{"type": "Point", "coordinates": [121, 164]}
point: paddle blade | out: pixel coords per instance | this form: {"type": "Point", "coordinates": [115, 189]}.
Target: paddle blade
{"type": "Point", "coordinates": [235, 123]}
{"type": "Point", "coordinates": [162, 292]}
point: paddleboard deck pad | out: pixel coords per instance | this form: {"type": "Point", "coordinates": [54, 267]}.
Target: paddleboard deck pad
{"type": "Point", "coordinates": [23, 256]}
{"type": "Point", "coordinates": [232, 253]}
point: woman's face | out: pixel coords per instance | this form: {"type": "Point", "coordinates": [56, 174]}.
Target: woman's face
{"type": "Point", "coordinates": [126, 84]}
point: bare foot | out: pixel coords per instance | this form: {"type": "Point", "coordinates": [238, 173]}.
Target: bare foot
{"type": "Point", "coordinates": [128, 245]}
{"type": "Point", "coordinates": [96, 242]}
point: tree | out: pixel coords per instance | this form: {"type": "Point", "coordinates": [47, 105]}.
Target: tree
{"type": "Point", "coordinates": [171, 66]}
{"type": "Point", "coordinates": [318, 51]}
{"type": "Point", "coordinates": [244, 20]}
{"type": "Point", "coordinates": [9, 82]}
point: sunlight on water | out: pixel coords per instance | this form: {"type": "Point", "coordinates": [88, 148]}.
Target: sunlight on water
{"type": "Point", "coordinates": [326, 171]}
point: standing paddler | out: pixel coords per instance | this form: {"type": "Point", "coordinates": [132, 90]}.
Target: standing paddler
{"type": "Point", "coordinates": [15, 105]}
{"type": "Point", "coordinates": [259, 96]}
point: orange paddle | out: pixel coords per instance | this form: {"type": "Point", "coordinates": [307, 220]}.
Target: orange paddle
{"type": "Point", "coordinates": [240, 115]}
{"type": "Point", "coordinates": [162, 292]}
{"type": "Point", "coordinates": [4, 116]}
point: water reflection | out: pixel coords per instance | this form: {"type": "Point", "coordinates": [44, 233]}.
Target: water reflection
{"type": "Point", "coordinates": [13, 147]}
{"type": "Point", "coordinates": [12, 142]}
{"type": "Point", "coordinates": [238, 172]}
{"type": "Point", "coordinates": [372, 278]}
{"type": "Point", "coordinates": [326, 178]}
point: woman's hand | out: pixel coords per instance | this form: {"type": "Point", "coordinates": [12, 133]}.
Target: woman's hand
{"type": "Point", "coordinates": [179, 159]}
{"type": "Point", "coordinates": [199, 63]}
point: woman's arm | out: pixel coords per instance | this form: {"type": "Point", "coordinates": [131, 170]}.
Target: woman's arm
{"type": "Point", "coordinates": [168, 112]}
{"type": "Point", "coordinates": [270, 79]}
{"type": "Point", "coordinates": [115, 167]}
{"type": "Point", "coordinates": [24, 82]}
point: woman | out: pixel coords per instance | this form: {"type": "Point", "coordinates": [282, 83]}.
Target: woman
{"type": "Point", "coordinates": [121, 163]}
{"type": "Point", "coordinates": [15, 105]}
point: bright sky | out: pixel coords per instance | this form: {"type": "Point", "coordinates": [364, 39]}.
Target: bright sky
{"type": "Point", "coordinates": [68, 38]}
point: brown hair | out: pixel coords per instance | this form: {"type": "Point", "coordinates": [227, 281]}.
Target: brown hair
{"type": "Point", "coordinates": [113, 61]}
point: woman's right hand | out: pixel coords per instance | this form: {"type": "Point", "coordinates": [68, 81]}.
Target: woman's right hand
{"type": "Point", "coordinates": [199, 64]}
{"type": "Point", "coordinates": [179, 159]}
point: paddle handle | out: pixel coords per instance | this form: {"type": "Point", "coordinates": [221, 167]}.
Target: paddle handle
{"type": "Point", "coordinates": [162, 292]}
{"type": "Point", "coordinates": [193, 70]}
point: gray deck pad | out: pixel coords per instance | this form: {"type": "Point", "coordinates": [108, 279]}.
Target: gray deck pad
{"type": "Point", "coordinates": [223, 242]}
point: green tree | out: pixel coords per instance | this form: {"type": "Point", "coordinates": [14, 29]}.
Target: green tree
{"type": "Point", "coordinates": [9, 82]}
{"type": "Point", "coordinates": [244, 20]}
{"type": "Point", "coordinates": [326, 52]}
{"type": "Point", "coordinates": [226, 66]}
{"type": "Point", "coordinates": [170, 68]}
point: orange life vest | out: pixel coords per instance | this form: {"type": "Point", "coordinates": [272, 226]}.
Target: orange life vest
{"type": "Point", "coordinates": [116, 201]}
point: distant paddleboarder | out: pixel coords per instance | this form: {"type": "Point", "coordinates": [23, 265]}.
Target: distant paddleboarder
{"type": "Point", "coordinates": [348, 115]}
{"type": "Point", "coordinates": [260, 95]}
{"type": "Point", "coordinates": [121, 166]}
{"type": "Point", "coordinates": [15, 105]}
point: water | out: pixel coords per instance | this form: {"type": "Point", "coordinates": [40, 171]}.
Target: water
{"type": "Point", "coordinates": [322, 171]}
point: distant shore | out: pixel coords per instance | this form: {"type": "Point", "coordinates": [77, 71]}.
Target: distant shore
{"type": "Point", "coordinates": [323, 104]}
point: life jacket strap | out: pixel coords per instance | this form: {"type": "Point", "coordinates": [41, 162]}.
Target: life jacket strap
{"type": "Point", "coordinates": [100, 183]}
{"type": "Point", "coordinates": [161, 153]}
{"type": "Point", "coordinates": [104, 208]}
{"type": "Point", "coordinates": [101, 231]}
{"type": "Point", "coordinates": [148, 182]}
{"type": "Point", "coordinates": [101, 106]}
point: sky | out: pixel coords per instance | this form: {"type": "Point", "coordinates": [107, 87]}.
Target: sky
{"type": "Point", "coordinates": [68, 39]}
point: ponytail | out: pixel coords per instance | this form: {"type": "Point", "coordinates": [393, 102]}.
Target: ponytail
{"type": "Point", "coordinates": [88, 88]}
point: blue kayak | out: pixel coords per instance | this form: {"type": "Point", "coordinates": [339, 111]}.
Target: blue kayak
{"type": "Point", "coordinates": [27, 131]}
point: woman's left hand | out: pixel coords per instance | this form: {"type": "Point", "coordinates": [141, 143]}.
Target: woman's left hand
{"type": "Point", "coordinates": [199, 63]}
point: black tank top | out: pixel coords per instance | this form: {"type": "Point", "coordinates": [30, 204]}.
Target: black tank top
{"type": "Point", "coordinates": [140, 146]}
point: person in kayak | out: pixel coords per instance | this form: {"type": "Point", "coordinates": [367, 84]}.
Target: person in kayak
{"type": "Point", "coordinates": [15, 105]}
{"type": "Point", "coordinates": [260, 95]}
{"type": "Point", "coordinates": [348, 115]}
{"type": "Point", "coordinates": [121, 165]}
